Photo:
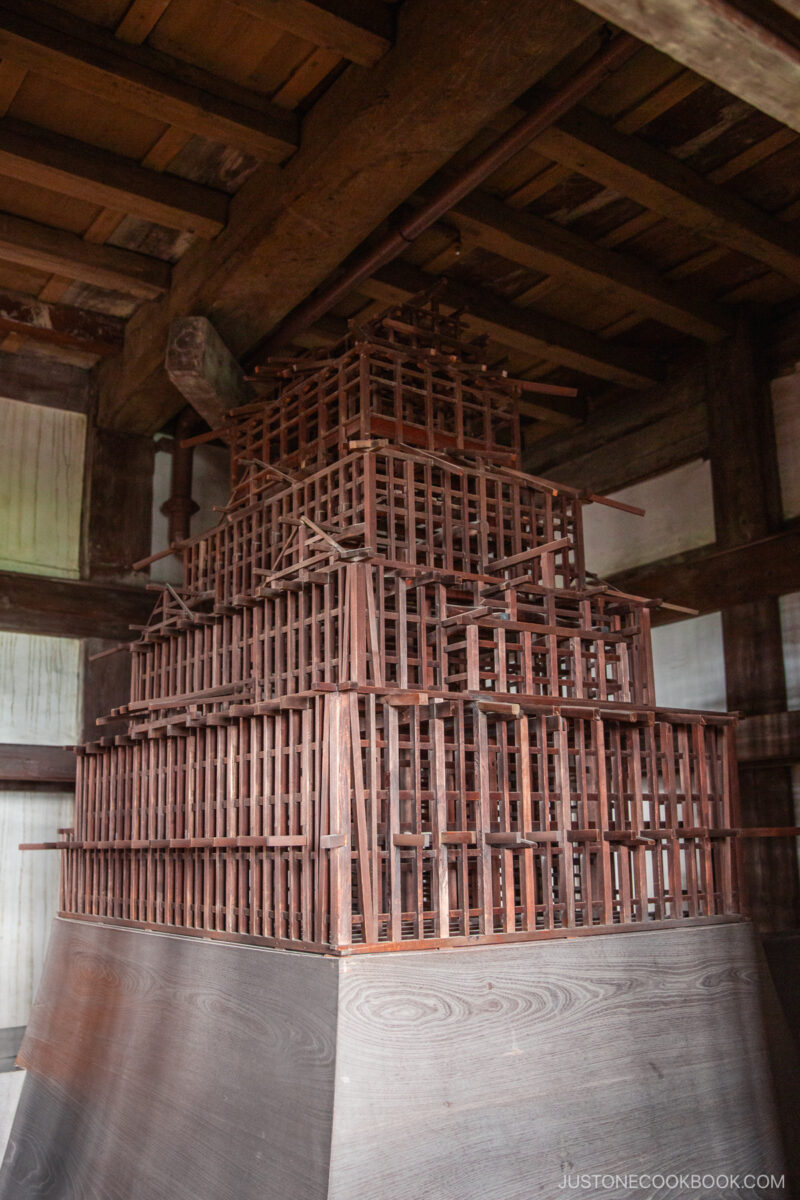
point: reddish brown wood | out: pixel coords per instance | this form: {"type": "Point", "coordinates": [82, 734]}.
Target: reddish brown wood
{"type": "Point", "coordinates": [385, 708]}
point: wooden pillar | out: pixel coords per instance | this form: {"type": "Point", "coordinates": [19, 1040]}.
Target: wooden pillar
{"type": "Point", "coordinates": [180, 506]}
{"type": "Point", "coordinates": [117, 531]}
{"type": "Point", "coordinates": [746, 493]}
{"type": "Point", "coordinates": [118, 501]}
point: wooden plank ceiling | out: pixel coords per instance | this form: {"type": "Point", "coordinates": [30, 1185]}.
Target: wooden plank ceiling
{"type": "Point", "coordinates": [164, 158]}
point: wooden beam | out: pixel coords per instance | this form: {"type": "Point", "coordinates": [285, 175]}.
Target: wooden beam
{"type": "Point", "coordinates": [769, 738]}
{"type": "Point", "coordinates": [361, 156]}
{"type": "Point", "coordinates": [80, 55]}
{"type": "Point", "coordinates": [747, 509]}
{"type": "Point", "coordinates": [722, 43]}
{"type": "Point", "coordinates": [41, 379]}
{"type": "Point", "coordinates": [61, 253]}
{"type": "Point", "coordinates": [74, 168]}
{"type": "Point", "coordinates": [666, 426]}
{"type": "Point", "coordinates": [61, 325]}
{"type": "Point", "coordinates": [118, 504]}
{"type": "Point", "coordinates": [650, 450]}
{"type": "Point", "coordinates": [712, 578]}
{"type": "Point", "coordinates": [71, 607]}
{"type": "Point", "coordinates": [36, 764]}
{"type": "Point", "coordinates": [542, 245]}
{"type": "Point", "coordinates": [203, 369]}
{"type": "Point", "coordinates": [586, 144]}
{"type": "Point", "coordinates": [521, 328]}
{"type": "Point", "coordinates": [360, 30]}
{"type": "Point", "coordinates": [140, 20]}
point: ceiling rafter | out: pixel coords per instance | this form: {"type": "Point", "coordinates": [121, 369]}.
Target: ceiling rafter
{"type": "Point", "coordinates": [74, 168]}
{"type": "Point", "coordinates": [653, 178]}
{"type": "Point", "coordinates": [542, 245]}
{"type": "Point", "coordinates": [722, 43]}
{"type": "Point", "coordinates": [83, 56]}
{"type": "Point", "coordinates": [42, 248]}
{"type": "Point", "coordinates": [61, 325]}
{"type": "Point", "coordinates": [361, 157]}
{"type": "Point", "coordinates": [360, 30]}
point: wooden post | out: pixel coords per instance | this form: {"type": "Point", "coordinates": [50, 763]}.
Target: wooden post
{"type": "Point", "coordinates": [746, 508]}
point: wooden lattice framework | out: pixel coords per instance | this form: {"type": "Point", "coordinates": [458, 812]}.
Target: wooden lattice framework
{"type": "Point", "coordinates": [387, 708]}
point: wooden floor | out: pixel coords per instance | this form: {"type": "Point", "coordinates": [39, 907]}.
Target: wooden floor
{"type": "Point", "coordinates": [167, 1068]}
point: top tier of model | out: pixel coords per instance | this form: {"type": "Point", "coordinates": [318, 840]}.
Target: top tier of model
{"type": "Point", "coordinates": [411, 376]}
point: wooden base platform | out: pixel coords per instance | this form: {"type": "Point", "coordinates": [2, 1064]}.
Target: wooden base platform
{"type": "Point", "coordinates": [168, 1068]}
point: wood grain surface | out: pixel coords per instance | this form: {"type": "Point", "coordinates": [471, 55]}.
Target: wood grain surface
{"type": "Point", "coordinates": [162, 1068]}
{"type": "Point", "coordinates": [165, 1069]}
{"type": "Point", "coordinates": [489, 1073]}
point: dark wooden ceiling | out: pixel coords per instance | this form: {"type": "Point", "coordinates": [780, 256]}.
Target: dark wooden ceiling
{"type": "Point", "coordinates": [149, 168]}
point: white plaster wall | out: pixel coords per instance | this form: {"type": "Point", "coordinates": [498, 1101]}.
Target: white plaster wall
{"type": "Point", "coordinates": [40, 690]}
{"type": "Point", "coordinates": [41, 488]}
{"type": "Point", "coordinates": [10, 1088]}
{"type": "Point", "coordinates": [210, 487]}
{"type": "Point", "coordinates": [790, 627]}
{"type": "Point", "coordinates": [679, 516]}
{"type": "Point", "coordinates": [689, 663]}
{"type": "Point", "coordinates": [786, 411]}
{"type": "Point", "coordinates": [28, 893]}
{"type": "Point", "coordinates": [40, 681]}
{"type": "Point", "coordinates": [688, 659]}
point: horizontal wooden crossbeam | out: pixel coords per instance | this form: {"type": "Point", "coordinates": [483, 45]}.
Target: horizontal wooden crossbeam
{"type": "Point", "coordinates": [630, 436]}
{"type": "Point", "coordinates": [36, 379]}
{"type": "Point", "coordinates": [79, 55]}
{"type": "Point", "coordinates": [587, 144]}
{"type": "Point", "coordinates": [61, 325]}
{"type": "Point", "coordinates": [36, 764]}
{"type": "Point", "coordinates": [360, 30]}
{"type": "Point", "coordinates": [542, 245]}
{"type": "Point", "coordinates": [70, 608]}
{"type": "Point", "coordinates": [769, 738]}
{"type": "Point", "coordinates": [721, 42]}
{"type": "Point", "coordinates": [74, 168]}
{"type": "Point", "coordinates": [62, 253]}
{"type": "Point", "coordinates": [710, 579]}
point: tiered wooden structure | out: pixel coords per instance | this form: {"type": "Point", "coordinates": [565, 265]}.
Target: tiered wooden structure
{"type": "Point", "coordinates": [386, 709]}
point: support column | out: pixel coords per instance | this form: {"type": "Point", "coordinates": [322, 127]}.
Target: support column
{"type": "Point", "coordinates": [747, 506]}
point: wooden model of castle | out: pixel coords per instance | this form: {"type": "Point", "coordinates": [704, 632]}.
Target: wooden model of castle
{"type": "Point", "coordinates": [386, 708]}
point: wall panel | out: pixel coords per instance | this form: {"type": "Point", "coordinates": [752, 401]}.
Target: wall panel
{"type": "Point", "coordinates": [689, 664]}
{"type": "Point", "coordinates": [41, 488]}
{"type": "Point", "coordinates": [679, 516]}
{"type": "Point", "coordinates": [28, 894]}
{"type": "Point", "coordinates": [786, 409]}
{"type": "Point", "coordinates": [40, 689]}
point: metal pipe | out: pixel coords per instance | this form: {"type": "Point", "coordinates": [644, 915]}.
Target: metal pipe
{"type": "Point", "coordinates": [603, 63]}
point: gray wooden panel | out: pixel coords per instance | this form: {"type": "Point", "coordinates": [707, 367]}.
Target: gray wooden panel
{"type": "Point", "coordinates": [488, 1073]}
{"type": "Point", "coordinates": [165, 1068]}
{"type": "Point", "coordinates": [10, 1042]}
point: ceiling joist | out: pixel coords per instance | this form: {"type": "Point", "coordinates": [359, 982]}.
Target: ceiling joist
{"type": "Point", "coordinates": [61, 325]}
{"type": "Point", "coordinates": [542, 245]}
{"type": "Point", "coordinates": [720, 42]}
{"type": "Point", "coordinates": [58, 252]}
{"type": "Point", "coordinates": [362, 156]}
{"type": "Point", "coordinates": [85, 172]}
{"type": "Point", "coordinates": [657, 181]}
{"type": "Point", "coordinates": [360, 30]}
{"type": "Point", "coordinates": [80, 55]}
